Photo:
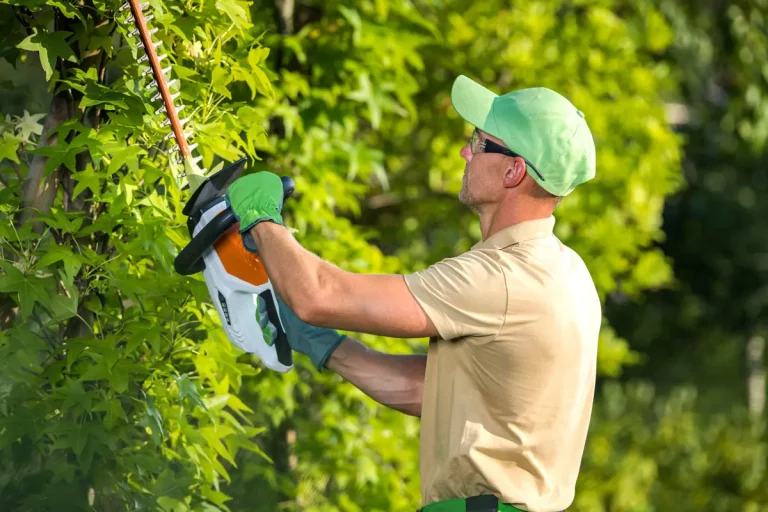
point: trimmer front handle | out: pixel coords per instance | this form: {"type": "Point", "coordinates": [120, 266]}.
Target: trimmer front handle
{"type": "Point", "coordinates": [190, 259]}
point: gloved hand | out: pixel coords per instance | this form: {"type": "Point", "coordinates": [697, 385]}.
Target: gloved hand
{"type": "Point", "coordinates": [255, 198]}
{"type": "Point", "coordinates": [316, 342]}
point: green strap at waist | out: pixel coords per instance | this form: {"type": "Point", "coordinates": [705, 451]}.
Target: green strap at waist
{"type": "Point", "coordinates": [459, 505]}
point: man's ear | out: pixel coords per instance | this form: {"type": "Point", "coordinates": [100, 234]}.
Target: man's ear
{"type": "Point", "coordinates": [514, 173]}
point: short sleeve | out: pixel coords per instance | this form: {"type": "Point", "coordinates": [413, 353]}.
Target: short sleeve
{"type": "Point", "coordinates": [465, 296]}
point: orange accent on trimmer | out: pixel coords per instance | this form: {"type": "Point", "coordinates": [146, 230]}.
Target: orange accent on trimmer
{"type": "Point", "coordinates": [237, 260]}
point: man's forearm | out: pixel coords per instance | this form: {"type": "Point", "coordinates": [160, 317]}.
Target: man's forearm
{"type": "Point", "coordinates": [396, 381]}
{"type": "Point", "coordinates": [294, 272]}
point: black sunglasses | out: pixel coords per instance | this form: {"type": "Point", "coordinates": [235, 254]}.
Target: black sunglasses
{"type": "Point", "coordinates": [478, 145]}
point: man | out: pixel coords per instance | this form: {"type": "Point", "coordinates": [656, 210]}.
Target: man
{"type": "Point", "coordinates": [505, 392]}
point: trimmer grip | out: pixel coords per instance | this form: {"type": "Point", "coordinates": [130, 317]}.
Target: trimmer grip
{"type": "Point", "coordinates": [243, 314]}
{"type": "Point", "coordinates": [284, 354]}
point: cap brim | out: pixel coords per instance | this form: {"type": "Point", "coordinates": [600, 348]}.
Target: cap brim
{"type": "Point", "coordinates": [473, 102]}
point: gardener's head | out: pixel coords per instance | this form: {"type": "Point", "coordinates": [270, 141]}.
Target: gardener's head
{"type": "Point", "coordinates": [530, 143]}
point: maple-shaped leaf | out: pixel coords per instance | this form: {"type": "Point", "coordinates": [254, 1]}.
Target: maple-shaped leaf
{"type": "Point", "coordinates": [28, 125]}
{"type": "Point", "coordinates": [9, 145]}
{"type": "Point", "coordinates": [50, 46]}
{"type": "Point", "coordinates": [29, 289]}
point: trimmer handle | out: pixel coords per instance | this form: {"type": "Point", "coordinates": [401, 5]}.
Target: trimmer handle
{"type": "Point", "coordinates": [190, 259]}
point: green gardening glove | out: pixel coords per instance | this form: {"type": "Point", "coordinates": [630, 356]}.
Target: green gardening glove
{"type": "Point", "coordinates": [316, 342]}
{"type": "Point", "coordinates": [255, 198]}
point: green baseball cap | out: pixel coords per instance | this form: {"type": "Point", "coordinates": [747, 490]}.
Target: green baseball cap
{"type": "Point", "coordinates": [538, 124]}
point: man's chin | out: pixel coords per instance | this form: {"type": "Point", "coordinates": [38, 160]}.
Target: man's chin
{"type": "Point", "coordinates": [465, 198]}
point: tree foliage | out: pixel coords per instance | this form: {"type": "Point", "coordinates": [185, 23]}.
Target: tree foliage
{"type": "Point", "coordinates": [116, 386]}
{"type": "Point", "coordinates": [118, 389]}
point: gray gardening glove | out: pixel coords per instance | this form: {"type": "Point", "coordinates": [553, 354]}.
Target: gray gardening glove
{"type": "Point", "coordinates": [316, 342]}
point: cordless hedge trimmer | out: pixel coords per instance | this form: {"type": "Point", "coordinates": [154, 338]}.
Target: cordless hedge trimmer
{"type": "Point", "coordinates": [236, 279]}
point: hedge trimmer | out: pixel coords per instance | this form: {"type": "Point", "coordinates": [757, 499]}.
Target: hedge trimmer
{"type": "Point", "coordinates": [236, 278]}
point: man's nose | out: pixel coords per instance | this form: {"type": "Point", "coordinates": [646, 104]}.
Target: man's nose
{"type": "Point", "coordinates": [466, 153]}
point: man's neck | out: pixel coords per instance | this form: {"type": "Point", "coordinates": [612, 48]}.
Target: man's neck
{"type": "Point", "coordinates": [495, 218]}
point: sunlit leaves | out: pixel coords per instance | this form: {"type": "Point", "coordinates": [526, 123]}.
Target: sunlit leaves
{"type": "Point", "coordinates": [113, 357]}
{"type": "Point", "coordinates": [50, 46]}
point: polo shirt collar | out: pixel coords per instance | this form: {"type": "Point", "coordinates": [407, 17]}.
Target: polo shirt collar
{"type": "Point", "coordinates": [518, 233]}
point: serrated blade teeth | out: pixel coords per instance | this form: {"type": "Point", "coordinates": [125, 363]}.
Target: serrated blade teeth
{"type": "Point", "coordinates": [144, 5]}
{"type": "Point", "coordinates": [143, 58]}
{"type": "Point", "coordinates": [134, 32]}
{"type": "Point", "coordinates": [152, 84]}
{"type": "Point", "coordinates": [189, 134]}
{"type": "Point", "coordinates": [125, 6]}
{"type": "Point", "coordinates": [149, 18]}
{"type": "Point", "coordinates": [158, 44]}
{"type": "Point", "coordinates": [167, 70]}
{"type": "Point", "coordinates": [180, 108]}
{"type": "Point", "coordinates": [197, 159]}
{"type": "Point", "coordinates": [170, 135]}
{"type": "Point", "coordinates": [193, 147]}
{"type": "Point", "coordinates": [173, 150]}
{"type": "Point", "coordinates": [173, 82]}
{"type": "Point", "coordinates": [147, 71]}
{"type": "Point", "coordinates": [167, 122]}
{"type": "Point", "coordinates": [175, 95]}
{"type": "Point", "coordinates": [152, 32]}
{"type": "Point", "coordinates": [130, 19]}
{"type": "Point", "coordinates": [161, 109]}
{"type": "Point", "coordinates": [182, 122]}
{"type": "Point", "coordinates": [157, 96]}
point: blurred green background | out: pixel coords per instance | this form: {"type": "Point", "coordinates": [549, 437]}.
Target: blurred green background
{"type": "Point", "coordinates": [118, 391]}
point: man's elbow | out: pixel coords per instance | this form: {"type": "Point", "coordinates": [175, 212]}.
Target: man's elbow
{"type": "Point", "coordinates": [317, 302]}
{"type": "Point", "coordinates": [312, 308]}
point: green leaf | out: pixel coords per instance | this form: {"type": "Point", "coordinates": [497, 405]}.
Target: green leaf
{"type": "Point", "coordinates": [57, 155]}
{"type": "Point", "coordinates": [213, 437]}
{"type": "Point", "coordinates": [9, 146]}
{"type": "Point", "coordinates": [97, 94]}
{"type": "Point", "coordinates": [118, 377]}
{"type": "Point", "coordinates": [220, 77]}
{"type": "Point", "coordinates": [66, 8]}
{"type": "Point", "coordinates": [263, 85]}
{"type": "Point", "coordinates": [87, 179]}
{"type": "Point", "coordinates": [50, 46]}
{"type": "Point", "coordinates": [153, 420]}
{"type": "Point", "coordinates": [115, 413]}
{"type": "Point", "coordinates": [219, 498]}
{"type": "Point", "coordinates": [30, 290]}
{"type": "Point", "coordinates": [97, 371]}
{"type": "Point", "coordinates": [128, 156]}
{"type": "Point", "coordinates": [63, 307]}
{"type": "Point", "coordinates": [237, 12]}
{"type": "Point", "coordinates": [188, 390]}
{"type": "Point", "coordinates": [59, 253]}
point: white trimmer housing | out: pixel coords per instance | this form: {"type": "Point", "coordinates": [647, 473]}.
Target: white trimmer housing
{"type": "Point", "coordinates": [244, 297]}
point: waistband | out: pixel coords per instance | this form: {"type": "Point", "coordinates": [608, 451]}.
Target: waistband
{"type": "Point", "coordinates": [484, 503]}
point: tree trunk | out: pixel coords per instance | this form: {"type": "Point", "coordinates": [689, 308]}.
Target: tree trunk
{"type": "Point", "coordinates": [39, 191]}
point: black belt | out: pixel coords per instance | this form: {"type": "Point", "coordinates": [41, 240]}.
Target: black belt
{"type": "Point", "coordinates": [483, 503]}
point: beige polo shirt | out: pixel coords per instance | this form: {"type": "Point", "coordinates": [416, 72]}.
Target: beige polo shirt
{"type": "Point", "coordinates": [509, 386]}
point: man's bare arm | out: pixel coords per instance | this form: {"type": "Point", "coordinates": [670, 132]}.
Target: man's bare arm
{"type": "Point", "coordinates": [396, 381]}
{"type": "Point", "coordinates": [322, 294]}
